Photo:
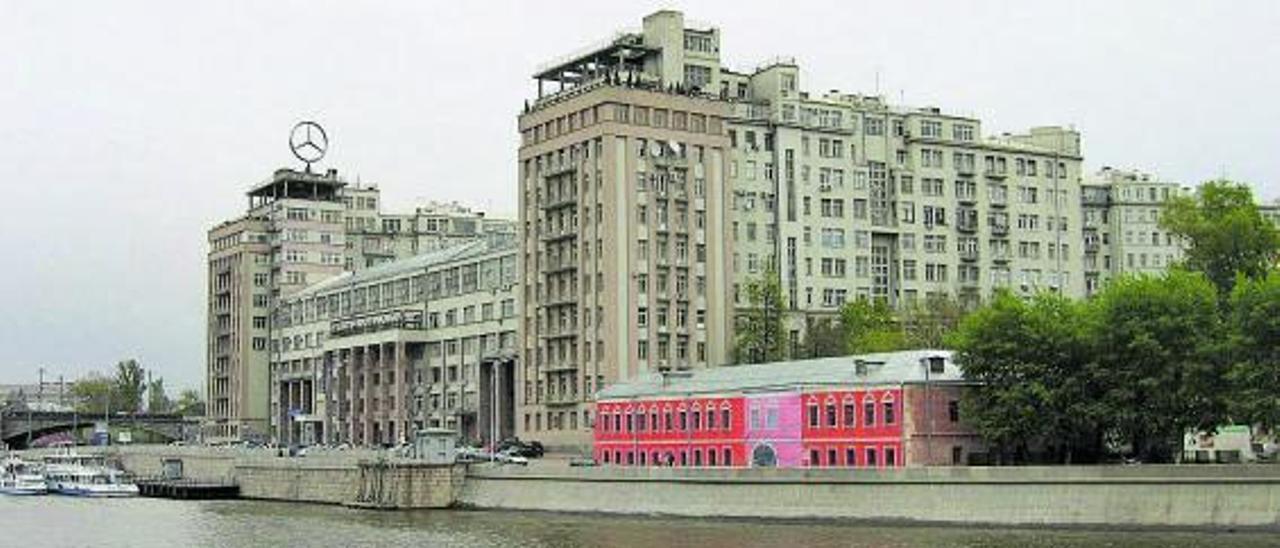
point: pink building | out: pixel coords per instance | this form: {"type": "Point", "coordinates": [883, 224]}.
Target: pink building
{"type": "Point", "coordinates": [871, 411]}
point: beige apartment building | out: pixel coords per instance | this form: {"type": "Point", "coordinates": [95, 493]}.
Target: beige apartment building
{"type": "Point", "coordinates": [300, 228]}
{"type": "Point", "coordinates": [845, 195]}
{"type": "Point", "coordinates": [428, 341]}
{"type": "Point", "coordinates": [1122, 234]}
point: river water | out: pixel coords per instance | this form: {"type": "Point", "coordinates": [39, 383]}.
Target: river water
{"type": "Point", "coordinates": [51, 521]}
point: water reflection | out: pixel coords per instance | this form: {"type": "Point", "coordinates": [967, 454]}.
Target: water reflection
{"type": "Point", "coordinates": [60, 521]}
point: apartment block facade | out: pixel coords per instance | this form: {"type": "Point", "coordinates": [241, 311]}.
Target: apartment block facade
{"type": "Point", "coordinates": [429, 341]}
{"type": "Point", "coordinates": [844, 196]}
{"type": "Point", "coordinates": [1122, 234]}
{"type": "Point", "coordinates": [300, 228]}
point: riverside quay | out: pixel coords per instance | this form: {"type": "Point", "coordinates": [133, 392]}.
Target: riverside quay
{"type": "Point", "coordinates": [871, 411]}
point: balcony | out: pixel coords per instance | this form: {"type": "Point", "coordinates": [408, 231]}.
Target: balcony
{"type": "Point", "coordinates": [967, 225]}
{"type": "Point", "coordinates": [1092, 247]}
{"type": "Point", "coordinates": [964, 169]}
{"type": "Point", "coordinates": [999, 200]}
{"type": "Point", "coordinates": [560, 366]}
{"type": "Point", "coordinates": [567, 199]}
{"type": "Point", "coordinates": [1000, 257]}
{"type": "Point", "coordinates": [968, 254]}
{"type": "Point", "coordinates": [556, 398]}
{"type": "Point", "coordinates": [1000, 229]}
{"type": "Point", "coordinates": [557, 235]}
{"type": "Point", "coordinates": [995, 173]}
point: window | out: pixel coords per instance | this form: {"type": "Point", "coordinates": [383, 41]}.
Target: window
{"type": "Point", "coordinates": [953, 410]}
{"type": "Point", "coordinates": [813, 415]}
{"type": "Point", "coordinates": [869, 411]}
{"type": "Point", "coordinates": [888, 412]}
{"type": "Point", "coordinates": [849, 416]}
{"type": "Point", "coordinates": [890, 456]}
{"type": "Point", "coordinates": [871, 456]}
{"type": "Point", "coordinates": [831, 415]}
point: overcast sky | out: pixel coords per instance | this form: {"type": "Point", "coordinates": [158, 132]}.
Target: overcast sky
{"type": "Point", "coordinates": [127, 129]}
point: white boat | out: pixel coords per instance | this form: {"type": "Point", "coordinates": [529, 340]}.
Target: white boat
{"type": "Point", "coordinates": [19, 477]}
{"type": "Point", "coordinates": [70, 473]}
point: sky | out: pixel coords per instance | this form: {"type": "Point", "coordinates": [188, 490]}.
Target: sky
{"type": "Point", "coordinates": [129, 128]}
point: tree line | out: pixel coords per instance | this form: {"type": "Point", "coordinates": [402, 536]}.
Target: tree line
{"type": "Point", "coordinates": [127, 389]}
{"type": "Point", "coordinates": [1127, 372]}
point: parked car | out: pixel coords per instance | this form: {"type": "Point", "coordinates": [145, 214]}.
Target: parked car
{"type": "Point", "coordinates": [532, 449]}
{"type": "Point", "coordinates": [511, 457]}
{"type": "Point", "coordinates": [582, 461]}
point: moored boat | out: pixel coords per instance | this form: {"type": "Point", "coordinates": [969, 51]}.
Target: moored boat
{"type": "Point", "coordinates": [73, 474]}
{"type": "Point", "coordinates": [19, 477]}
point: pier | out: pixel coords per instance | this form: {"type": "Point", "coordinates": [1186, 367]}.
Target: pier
{"type": "Point", "coordinates": [187, 489]}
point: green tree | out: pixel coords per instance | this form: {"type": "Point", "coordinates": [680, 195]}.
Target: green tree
{"type": "Point", "coordinates": [824, 338]}
{"type": "Point", "coordinates": [1224, 232]}
{"type": "Point", "coordinates": [927, 324]}
{"type": "Point", "coordinates": [190, 403]}
{"type": "Point", "coordinates": [93, 394]}
{"type": "Point", "coordinates": [1254, 322]}
{"type": "Point", "coordinates": [760, 333]}
{"type": "Point", "coordinates": [157, 400]}
{"type": "Point", "coordinates": [1157, 347]}
{"type": "Point", "coordinates": [130, 383]}
{"type": "Point", "coordinates": [1030, 362]}
{"type": "Point", "coordinates": [871, 327]}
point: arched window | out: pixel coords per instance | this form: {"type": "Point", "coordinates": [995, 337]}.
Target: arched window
{"type": "Point", "coordinates": [604, 424]}
{"type": "Point", "coordinates": [630, 420]}
{"type": "Point", "coordinates": [696, 421]}
{"type": "Point", "coordinates": [605, 457]}
{"type": "Point", "coordinates": [711, 453]}
{"type": "Point", "coordinates": [726, 416]}
{"type": "Point", "coordinates": [887, 404]}
{"type": "Point", "coordinates": [711, 416]}
{"type": "Point", "coordinates": [640, 422]}
{"type": "Point", "coordinates": [631, 458]}
{"type": "Point", "coordinates": [682, 423]}
{"type": "Point", "coordinates": [642, 458]}
{"type": "Point", "coordinates": [667, 423]}
{"type": "Point", "coordinates": [697, 457]}
{"type": "Point", "coordinates": [830, 405]}
{"type": "Point", "coordinates": [869, 410]}
{"type": "Point", "coordinates": [617, 457]}
{"type": "Point", "coordinates": [617, 422]}
{"type": "Point", "coordinates": [850, 415]}
{"type": "Point", "coordinates": [728, 457]}
{"type": "Point", "coordinates": [812, 407]}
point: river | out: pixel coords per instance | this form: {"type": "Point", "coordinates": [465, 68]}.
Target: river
{"type": "Point", "coordinates": [51, 521]}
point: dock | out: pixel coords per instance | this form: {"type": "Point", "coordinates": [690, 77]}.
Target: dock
{"type": "Point", "coordinates": [187, 489]}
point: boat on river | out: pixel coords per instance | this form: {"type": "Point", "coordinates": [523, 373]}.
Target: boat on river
{"type": "Point", "coordinates": [74, 474]}
{"type": "Point", "coordinates": [19, 477]}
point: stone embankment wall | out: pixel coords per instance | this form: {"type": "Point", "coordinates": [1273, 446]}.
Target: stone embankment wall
{"type": "Point", "coordinates": [358, 478]}
{"type": "Point", "coordinates": [1194, 496]}
{"type": "Point", "coordinates": [1141, 496]}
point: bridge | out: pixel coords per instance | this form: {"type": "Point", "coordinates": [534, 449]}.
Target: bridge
{"type": "Point", "coordinates": [18, 426]}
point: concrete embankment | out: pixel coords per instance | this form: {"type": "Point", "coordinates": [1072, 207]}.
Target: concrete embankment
{"type": "Point", "coordinates": [1143, 496]}
{"type": "Point", "coordinates": [356, 478]}
{"type": "Point", "coordinates": [1191, 496]}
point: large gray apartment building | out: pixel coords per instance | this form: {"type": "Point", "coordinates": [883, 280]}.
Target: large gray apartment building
{"type": "Point", "coordinates": [300, 228]}
{"type": "Point", "coordinates": [655, 182]}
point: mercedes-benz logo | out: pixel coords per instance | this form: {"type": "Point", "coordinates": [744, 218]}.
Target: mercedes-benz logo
{"type": "Point", "coordinates": [308, 142]}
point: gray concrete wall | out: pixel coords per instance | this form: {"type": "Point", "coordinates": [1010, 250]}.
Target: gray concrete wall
{"type": "Point", "coordinates": [331, 477]}
{"type": "Point", "coordinates": [1157, 496]}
